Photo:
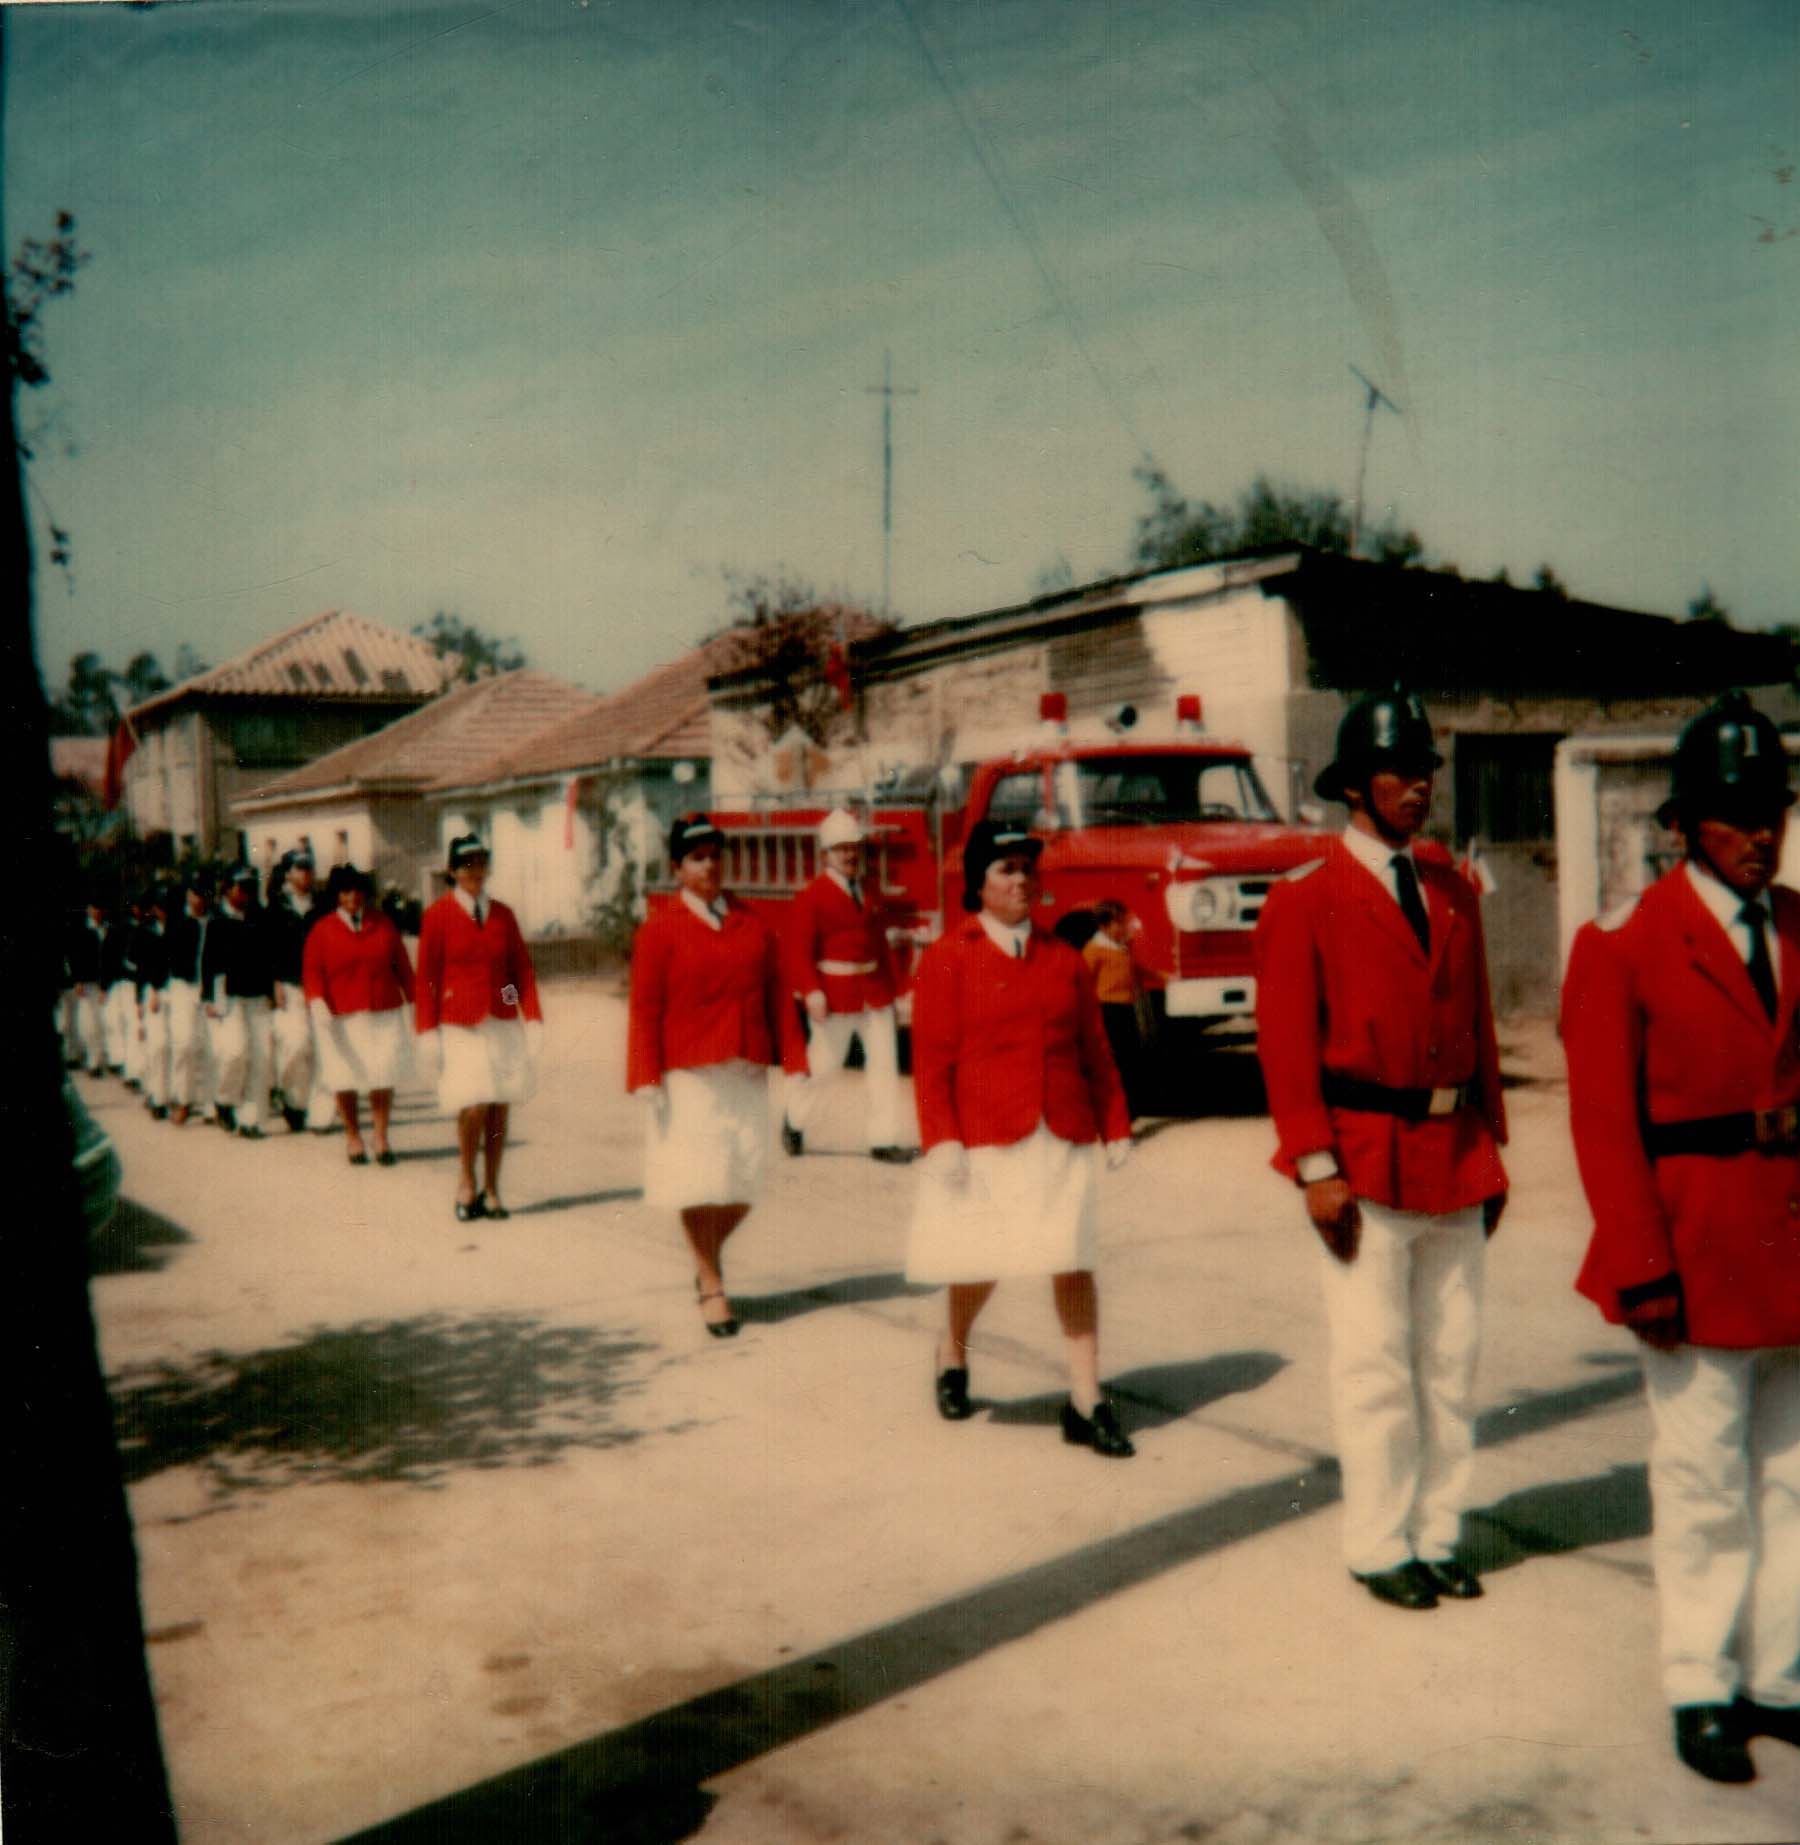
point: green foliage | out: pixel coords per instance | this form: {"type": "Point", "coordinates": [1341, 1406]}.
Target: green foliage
{"type": "Point", "coordinates": [1546, 580]}
{"type": "Point", "coordinates": [1707, 607]}
{"type": "Point", "coordinates": [617, 906]}
{"type": "Point", "coordinates": [41, 272]}
{"type": "Point", "coordinates": [1176, 531]}
{"type": "Point", "coordinates": [477, 655]}
{"type": "Point", "coordinates": [97, 694]}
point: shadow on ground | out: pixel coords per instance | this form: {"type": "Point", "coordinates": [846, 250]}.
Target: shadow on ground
{"type": "Point", "coordinates": [575, 1201]}
{"type": "Point", "coordinates": [133, 1241]}
{"type": "Point", "coordinates": [403, 1400]}
{"type": "Point", "coordinates": [1157, 1394]}
{"type": "Point", "coordinates": [1565, 1515]}
{"type": "Point", "coordinates": [851, 1291]}
{"type": "Point", "coordinates": [645, 1781]}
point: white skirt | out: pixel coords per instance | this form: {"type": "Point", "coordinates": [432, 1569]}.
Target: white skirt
{"type": "Point", "coordinates": [1028, 1209]}
{"type": "Point", "coordinates": [361, 1051]}
{"type": "Point", "coordinates": [486, 1063]}
{"type": "Point", "coordinates": [712, 1145]}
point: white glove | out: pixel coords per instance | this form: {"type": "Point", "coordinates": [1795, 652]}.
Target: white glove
{"type": "Point", "coordinates": [817, 1007]}
{"type": "Point", "coordinates": [1117, 1153]}
{"type": "Point", "coordinates": [655, 1098]}
{"type": "Point", "coordinates": [948, 1165]}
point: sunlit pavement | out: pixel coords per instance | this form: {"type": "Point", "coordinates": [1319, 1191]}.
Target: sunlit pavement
{"type": "Point", "coordinates": [468, 1532]}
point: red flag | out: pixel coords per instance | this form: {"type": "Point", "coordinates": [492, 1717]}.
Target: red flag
{"type": "Point", "coordinates": [837, 674]}
{"type": "Point", "coordinates": [118, 752]}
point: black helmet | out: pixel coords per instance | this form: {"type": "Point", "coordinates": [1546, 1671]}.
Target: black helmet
{"type": "Point", "coordinates": [1728, 758]}
{"type": "Point", "coordinates": [989, 840]}
{"type": "Point", "coordinates": [1380, 730]}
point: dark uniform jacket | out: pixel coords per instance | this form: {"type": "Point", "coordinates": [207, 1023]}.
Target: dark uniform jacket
{"type": "Point", "coordinates": [288, 930]}
{"type": "Point", "coordinates": [150, 953]}
{"type": "Point", "coordinates": [184, 937]}
{"type": "Point", "coordinates": [239, 958]}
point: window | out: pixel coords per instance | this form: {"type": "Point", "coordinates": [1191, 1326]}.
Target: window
{"type": "Point", "coordinates": [357, 670]}
{"type": "Point", "coordinates": [1175, 789]}
{"type": "Point", "coordinates": [1018, 798]}
{"type": "Point", "coordinates": [1503, 787]}
{"type": "Point", "coordinates": [322, 672]}
{"type": "Point", "coordinates": [297, 674]}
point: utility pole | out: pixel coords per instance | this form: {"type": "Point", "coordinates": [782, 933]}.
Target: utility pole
{"type": "Point", "coordinates": [887, 391]}
{"type": "Point", "coordinates": [1377, 397]}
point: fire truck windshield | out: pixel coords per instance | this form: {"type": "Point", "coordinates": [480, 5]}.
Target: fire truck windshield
{"type": "Point", "coordinates": [1158, 790]}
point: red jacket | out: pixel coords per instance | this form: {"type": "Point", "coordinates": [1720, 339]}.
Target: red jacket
{"type": "Point", "coordinates": [356, 970]}
{"type": "Point", "coordinates": [824, 925]}
{"type": "Point", "coordinates": [1660, 1022]}
{"type": "Point", "coordinates": [701, 996]}
{"type": "Point", "coordinates": [469, 974]}
{"type": "Point", "coordinates": [1343, 985]}
{"type": "Point", "coordinates": [1001, 1044]}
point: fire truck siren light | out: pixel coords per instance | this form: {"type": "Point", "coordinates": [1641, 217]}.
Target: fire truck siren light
{"type": "Point", "coordinates": [1187, 709]}
{"type": "Point", "coordinates": [1053, 707]}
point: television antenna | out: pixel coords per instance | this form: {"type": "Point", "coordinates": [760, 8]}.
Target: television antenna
{"type": "Point", "coordinates": [1376, 399]}
{"type": "Point", "coordinates": [887, 391]}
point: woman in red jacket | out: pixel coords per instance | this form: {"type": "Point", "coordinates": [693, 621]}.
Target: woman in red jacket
{"type": "Point", "coordinates": [358, 984]}
{"type": "Point", "coordinates": [1015, 1084]}
{"type": "Point", "coordinates": [477, 993]}
{"type": "Point", "coordinates": [708, 1016]}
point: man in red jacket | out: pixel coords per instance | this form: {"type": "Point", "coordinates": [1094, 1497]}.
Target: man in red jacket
{"type": "Point", "coordinates": [1376, 1035]}
{"type": "Point", "coordinates": [836, 959]}
{"type": "Point", "coordinates": [1679, 1019]}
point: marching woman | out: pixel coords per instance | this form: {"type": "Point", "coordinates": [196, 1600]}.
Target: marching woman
{"type": "Point", "coordinates": [358, 984]}
{"type": "Point", "coordinates": [293, 910]}
{"type": "Point", "coordinates": [709, 1014]}
{"type": "Point", "coordinates": [1014, 1084]}
{"type": "Point", "coordinates": [476, 992]}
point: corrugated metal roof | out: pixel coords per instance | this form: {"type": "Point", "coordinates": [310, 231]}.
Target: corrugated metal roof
{"type": "Point", "coordinates": [442, 745]}
{"type": "Point", "coordinates": [336, 655]}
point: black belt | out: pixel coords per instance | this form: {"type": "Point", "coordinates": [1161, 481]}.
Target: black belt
{"type": "Point", "coordinates": [1761, 1130]}
{"type": "Point", "coordinates": [1408, 1104]}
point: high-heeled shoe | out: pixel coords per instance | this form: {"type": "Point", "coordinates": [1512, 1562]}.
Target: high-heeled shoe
{"type": "Point", "coordinates": [720, 1329]}
{"type": "Point", "coordinates": [1100, 1431]}
{"type": "Point", "coordinates": [469, 1210]}
{"type": "Point", "coordinates": [952, 1391]}
{"type": "Point", "coordinates": [492, 1207]}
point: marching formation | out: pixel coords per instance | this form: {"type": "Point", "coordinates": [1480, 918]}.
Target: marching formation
{"type": "Point", "coordinates": [1681, 1019]}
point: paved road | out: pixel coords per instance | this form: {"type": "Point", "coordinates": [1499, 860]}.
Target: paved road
{"type": "Point", "coordinates": [467, 1532]}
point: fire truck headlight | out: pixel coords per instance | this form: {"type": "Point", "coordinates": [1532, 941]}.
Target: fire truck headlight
{"type": "Point", "coordinates": [1194, 906]}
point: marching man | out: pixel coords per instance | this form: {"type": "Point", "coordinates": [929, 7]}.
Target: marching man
{"type": "Point", "coordinates": [238, 969]}
{"type": "Point", "coordinates": [1376, 1035]}
{"type": "Point", "coordinates": [837, 963]}
{"type": "Point", "coordinates": [1679, 1020]}
{"type": "Point", "coordinates": [293, 910]}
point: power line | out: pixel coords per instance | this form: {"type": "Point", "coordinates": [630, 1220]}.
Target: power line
{"type": "Point", "coordinates": [887, 391]}
{"type": "Point", "coordinates": [1027, 235]}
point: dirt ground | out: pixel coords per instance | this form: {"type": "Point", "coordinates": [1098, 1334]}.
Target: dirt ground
{"type": "Point", "coordinates": [467, 1532]}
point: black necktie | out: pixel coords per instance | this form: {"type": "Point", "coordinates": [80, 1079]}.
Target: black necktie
{"type": "Point", "coordinates": [856, 892]}
{"type": "Point", "coordinates": [1762, 969]}
{"type": "Point", "coordinates": [480, 913]}
{"type": "Point", "coordinates": [1412, 906]}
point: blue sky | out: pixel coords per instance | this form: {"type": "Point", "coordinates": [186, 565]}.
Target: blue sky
{"type": "Point", "coordinates": [545, 311]}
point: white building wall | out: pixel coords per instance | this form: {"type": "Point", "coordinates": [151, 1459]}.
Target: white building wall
{"type": "Point", "coordinates": [1234, 652]}
{"type": "Point", "coordinates": [337, 835]}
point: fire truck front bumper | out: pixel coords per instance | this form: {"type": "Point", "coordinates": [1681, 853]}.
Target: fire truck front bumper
{"type": "Point", "coordinates": [1231, 998]}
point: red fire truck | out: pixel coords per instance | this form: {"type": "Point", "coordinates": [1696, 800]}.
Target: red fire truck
{"type": "Point", "coordinates": [1179, 830]}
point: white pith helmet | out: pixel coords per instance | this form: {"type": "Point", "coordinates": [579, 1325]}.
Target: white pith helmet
{"type": "Point", "coordinates": [839, 828]}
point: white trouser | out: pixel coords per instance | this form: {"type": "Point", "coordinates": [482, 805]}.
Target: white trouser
{"type": "Point", "coordinates": [156, 1046]}
{"type": "Point", "coordinates": [189, 1050]}
{"type": "Point", "coordinates": [296, 1062]}
{"type": "Point", "coordinates": [136, 1049]}
{"type": "Point", "coordinates": [120, 1022]}
{"type": "Point", "coordinates": [1725, 1491]}
{"type": "Point", "coordinates": [1405, 1321]}
{"type": "Point", "coordinates": [90, 1027]}
{"type": "Point", "coordinates": [241, 1038]}
{"type": "Point", "coordinates": [826, 1050]}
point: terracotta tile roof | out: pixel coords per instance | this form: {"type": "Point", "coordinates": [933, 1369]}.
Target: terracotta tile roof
{"type": "Point", "coordinates": [664, 716]}
{"type": "Point", "coordinates": [79, 759]}
{"type": "Point", "coordinates": [443, 744]}
{"type": "Point", "coordinates": [334, 655]}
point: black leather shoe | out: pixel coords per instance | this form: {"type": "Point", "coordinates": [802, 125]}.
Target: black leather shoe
{"type": "Point", "coordinates": [387, 1157]}
{"type": "Point", "coordinates": [1450, 1578]}
{"type": "Point", "coordinates": [1777, 1720]}
{"type": "Point", "coordinates": [470, 1212]}
{"type": "Point", "coordinates": [1100, 1431]}
{"type": "Point", "coordinates": [295, 1118]}
{"type": "Point", "coordinates": [953, 1395]}
{"type": "Point", "coordinates": [249, 1133]}
{"type": "Point", "coordinates": [793, 1142]}
{"type": "Point", "coordinates": [490, 1205]}
{"type": "Point", "coordinates": [1412, 1585]}
{"type": "Point", "coordinates": [226, 1116]}
{"type": "Point", "coordinates": [720, 1329]}
{"type": "Point", "coordinates": [893, 1156]}
{"type": "Point", "coordinates": [1709, 1738]}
